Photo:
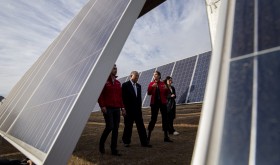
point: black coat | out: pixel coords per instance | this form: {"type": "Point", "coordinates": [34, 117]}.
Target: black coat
{"type": "Point", "coordinates": [171, 103]}
{"type": "Point", "coordinates": [132, 104]}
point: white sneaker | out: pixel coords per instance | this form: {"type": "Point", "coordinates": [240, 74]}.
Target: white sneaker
{"type": "Point", "coordinates": [175, 133]}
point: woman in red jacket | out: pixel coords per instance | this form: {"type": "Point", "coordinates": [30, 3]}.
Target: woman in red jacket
{"type": "Point", "coordinates": [159, 92]}
{"type": "Point", "coordinates": [110, 102]}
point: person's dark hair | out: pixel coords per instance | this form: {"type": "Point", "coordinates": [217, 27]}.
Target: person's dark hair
{"type": "Point", "coordinates": [158, 74]}
{"type": "Point", "coordinates": [167, 78]}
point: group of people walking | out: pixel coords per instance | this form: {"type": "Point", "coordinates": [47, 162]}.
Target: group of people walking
{"type": "Point", "coordinates": [126, 97]}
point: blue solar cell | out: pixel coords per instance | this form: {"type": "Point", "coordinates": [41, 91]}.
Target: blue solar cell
{"type": "Point", "coordinates": [237, 122]}
{"type": "Point", "coordinates": [200, 78]}
{"type": "Point", "coordinates": [181, 76]}
{"type": "Point", "coordinates": [66, 75]}
{"type": "Point", "coordinates": [268, 24]}
{"type": "Point", "coordinates": [144, 80]}
{"type": "Point", "coordinates": [268, 115]}
{"type": "Point", "coordinates": [243, 33]}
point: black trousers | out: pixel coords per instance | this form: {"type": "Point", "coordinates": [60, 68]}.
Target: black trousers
{"type": "Point", "coordinates": [171, 129]}
{"type": "Point", "coordinates": [112, 119]}
{"type": "Point", "coordinates": [154, 110]}
{"type": "Point", "coordinates": [129, 119]}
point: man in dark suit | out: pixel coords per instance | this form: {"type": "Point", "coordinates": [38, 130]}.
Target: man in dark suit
{"type": "Point", "coordinates": [131, 95]}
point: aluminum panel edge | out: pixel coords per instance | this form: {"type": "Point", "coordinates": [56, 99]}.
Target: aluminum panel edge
{"type": "Point", "coordinates": [201, 154]}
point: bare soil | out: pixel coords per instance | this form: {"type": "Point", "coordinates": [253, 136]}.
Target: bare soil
{"type": "Point", "coordinates": [162, 153]}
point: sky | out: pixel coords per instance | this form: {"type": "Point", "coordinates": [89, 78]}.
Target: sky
{"type": "Point", "coordinates": [175, 30]}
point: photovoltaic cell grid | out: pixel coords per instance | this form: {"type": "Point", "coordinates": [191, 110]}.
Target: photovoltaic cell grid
{"type": "Point", "coordinates": [200, 78]}
{"type": "Point", "coordinates": [41, 102]}
{"type": "Point", "coordinates": [23, 90]}
{"type": "Point", "coordinates": [144, 80]}
{"type": "Point", "coordinates": [262, 70]}
{"type": "Point", "coordinates": [165, 70]}
{"type": "Point", "coordinates": [198, 83]}
{"type": "Point", "coordinates": [240, 87]}
{"type": "Point", "coordinates": [123, 79]}
{"type": "Point", "coordinates": [182, 75]}
{"type": "Point", "coordinates": [47, 107]}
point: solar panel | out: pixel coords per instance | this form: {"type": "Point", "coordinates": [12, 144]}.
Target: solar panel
{"type": "Point", "coordinates": [46, 113]}
{"type": "Point", "coordinates": [144, 79]}
{"type": "Point", "coordinates": [200, 77]}
{"type": "Point", "coordinates": [181, 76]}
{"type": "Point", "coordinates": [165, 70]}
{"type": "Point", "coordinates": [240, 122]}
{"type": "Point", "coordinates": [123, 79]}
{"type": "Point", "coordinates": [198, 84]}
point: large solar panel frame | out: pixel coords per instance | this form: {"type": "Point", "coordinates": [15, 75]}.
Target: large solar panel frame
{"type": "Point", "coordinates": [55, 97]}
{"type": "Point", "coordinates": [240, 121]}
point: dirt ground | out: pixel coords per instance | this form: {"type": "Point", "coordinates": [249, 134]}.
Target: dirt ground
{"type": "Point", "coordinates": [162, 153]}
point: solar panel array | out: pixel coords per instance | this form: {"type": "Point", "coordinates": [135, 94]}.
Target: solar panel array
{"type": "Point", "coordinates": [189, 76]}
{"type": "Point", "coordinates": [243, 105]}
{"type": "Point", "coordinates": [51, 102]}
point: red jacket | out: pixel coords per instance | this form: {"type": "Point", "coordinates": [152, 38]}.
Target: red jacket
{"type": "Point", "coordinates": [111, 95]}
{"type": "Point", "coordinates": [162, 89]}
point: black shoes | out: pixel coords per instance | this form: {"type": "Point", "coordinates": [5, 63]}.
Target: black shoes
{"type": "Point", "coordinates": [116, 153]}
{"type": "Point", "coordinates": [167, 139]}
{"type": "Point", "coordinates": [147, 145]}
{"type": "Point", "coordinates": [102, 149]}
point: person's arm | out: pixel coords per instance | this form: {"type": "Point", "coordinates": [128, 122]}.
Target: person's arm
{"type": "Point", "coordinates": [124, 93]}
{"type": "Point", "coordinates": [124, 98]}
{"type": "Point", "coordinates": [123, 111]}
{"type": "Point", "coordinates": [101, 101]}
{"type": "Point", "coordinates": [151, 87]}
{"type": "Point", "coordinates": [174, 92]}
{"type": "Point", "coordinates": [140, 92]}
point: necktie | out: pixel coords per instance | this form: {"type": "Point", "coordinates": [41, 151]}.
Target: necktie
{"type": "Point", "coordinates": [135, 89]}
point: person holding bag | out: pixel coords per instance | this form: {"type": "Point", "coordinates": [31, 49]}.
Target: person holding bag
{"type": "Point", "coordinates": [171, 105]}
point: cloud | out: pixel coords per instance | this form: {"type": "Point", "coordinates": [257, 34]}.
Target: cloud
{"type": "Point", "coordinates": [175, 30]}
{"type": "Point", "coordinates": [27, 29]}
